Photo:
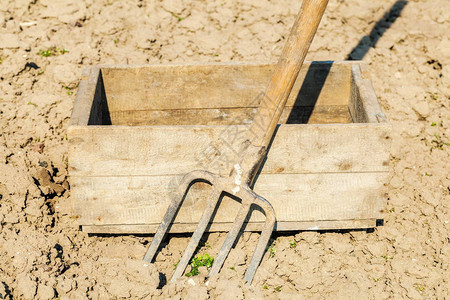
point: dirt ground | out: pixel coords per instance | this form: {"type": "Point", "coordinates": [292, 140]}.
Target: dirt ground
{"type": "Point", "coordinates": [44, 256]}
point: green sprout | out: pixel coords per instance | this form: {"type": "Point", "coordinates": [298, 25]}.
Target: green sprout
{"type": "Point", "coordinates": [177, 16]}
{"type": "Point", "coordinates": [204, 260]}
{"type": "Point", "coordinates": [438, 143]}
{"type": "Point", "coordinates": [386, 257]}
{"type": "Point", "coordinates": [272, 251]}
{"type": "Point", "coordinates": [52, 51]}
{"type": "Point", "coordinates": [265, 287]}
{"type": "Point", "coordinates": [278, 288]}
{"type": "Point", "coordinates": [292, 244]}
{"type": "Point", "coordinates": [419, 287]}
{"type": "Point", "coordinates": [69, 92]}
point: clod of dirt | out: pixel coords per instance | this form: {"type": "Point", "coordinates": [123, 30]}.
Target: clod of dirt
{"type": "Point", "coordinates": [26, 287]}
{"type": "Point", "coordinates": [46, 184]}
{"type": "Point", "coordinates": [45, 292]}
{"type": "Point", "coordinates": [65, 285]}
{"type": "Point", "coordinates": [39, 148]}
{"type": "Point", "coordinates": [421, 108]}
{"type": "Point", "coordinates": [119, 288]}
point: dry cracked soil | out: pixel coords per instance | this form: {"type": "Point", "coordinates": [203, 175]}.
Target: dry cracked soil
{"type": "Point", "coordinates": [45, 44]}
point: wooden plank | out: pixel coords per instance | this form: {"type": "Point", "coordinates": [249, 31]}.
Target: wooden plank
{"type": "Point", "coordinates": [363, 105]}
{"type": "Point", "coordinates": [367, 95]}
{"type": "Point", "coordinates": [172, 150]}
{"type": "Point", "coordinates": [85, 96]}
{"type": "Point", "coordinates": [225, 227]}
{"type": "Point", "coordinates": [306, 197]}
{"type": "Point", "coordinates": [226, 85]}
{"type": "Point", "coordinates": [229, 116]}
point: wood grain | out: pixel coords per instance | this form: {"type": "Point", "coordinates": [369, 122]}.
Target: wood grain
{"type": "Point", "coordinates": [295, 197]}
{"type": "Point", "coordinates": [230, 116]}
{"type": "Point", "coordinates": [172, 150]}
{"type": "Point", "coordinates": [225, 85]}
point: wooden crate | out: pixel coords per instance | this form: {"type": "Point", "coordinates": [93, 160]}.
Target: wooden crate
{"type": "Point", "coordinates": [135, 130]}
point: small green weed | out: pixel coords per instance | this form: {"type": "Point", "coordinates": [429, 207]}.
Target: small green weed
{"type": "Point", "coordinates": [52, 51]}
{"type": "Point", "coordinates": [265, 287]}
{"type": "Point", "coordinates": [441, 124]}
{"type": "Point", "coordinates": [438, 143]}
{"type": "Point", "coordinates": [391, 210]}
{"type": "Point", "coordinates": [419, 287]}
{"type": "Point", "coordinates": [272, 251]}
{"type": "Point", "coordinates": [204, 260]}
{"type": "Point", "coordinates": [434, 96]}
{"type": "Point", "coordinates": [31, 103]}
{"type": "Point", "coordinates": [386, 258]}
{"type": "Point", "coordinates": [278, 289]}
{"type": "Point", "coordinates": [292, 244]}
{"type": "Point", "coordinates": [69, 90]}
{"type": "Point", "coordinates": [233, 268]}
{"type": "Point", "coordinates": [177, 16]}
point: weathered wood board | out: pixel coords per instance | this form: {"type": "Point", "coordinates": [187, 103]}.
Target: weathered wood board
{"type": "Point", "coordinates": [135, 131]}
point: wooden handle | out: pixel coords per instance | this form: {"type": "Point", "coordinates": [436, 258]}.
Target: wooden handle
{"type": "Point", "coordinates": [286, 72]}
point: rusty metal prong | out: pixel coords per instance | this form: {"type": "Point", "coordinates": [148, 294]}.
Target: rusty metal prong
{"type": "Point", "coordinates": [173, 209]}
{"type": "Point", "coordinates": [248, 199]}
{"type": "Point", "coordinates": [198, 233]}
{"type": "Point", "coordinates": [264, 238]}
{"type": "Point", "coordinates": [230, 239]}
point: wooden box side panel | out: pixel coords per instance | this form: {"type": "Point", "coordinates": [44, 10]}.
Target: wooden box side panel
{"type": "Point", "coordinates": [313, 173]}
{"type": "Point", "coordinates": [176, 150]}
{"type": "Point", "coordinates": [91, 106]}
{"type": "Point", "coordinates": [295, 197]}
{"type": "Point", "coordinates": [363, 105]}
{"type": "Point", "coordinates": [221, 93]}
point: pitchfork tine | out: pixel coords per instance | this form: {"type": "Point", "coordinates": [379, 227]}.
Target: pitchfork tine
{"type": "Point", "coordinates": [235, 230]}
{"type": "Point", "coordinates": [195, 239]}
{"type": "Point", "coordinates": [173, 209]}
{"type": "Point", "coordinates": [230, 239]}
{"type": "Point", "coordinates": [263, 239]}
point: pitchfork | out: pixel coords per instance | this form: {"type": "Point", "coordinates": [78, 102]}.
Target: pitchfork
{"type": "Point", "coordinates": [253, 150]}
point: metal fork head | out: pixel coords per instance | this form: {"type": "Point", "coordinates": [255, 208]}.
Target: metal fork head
{"type": "Point", "coordinates": [236, 185]}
